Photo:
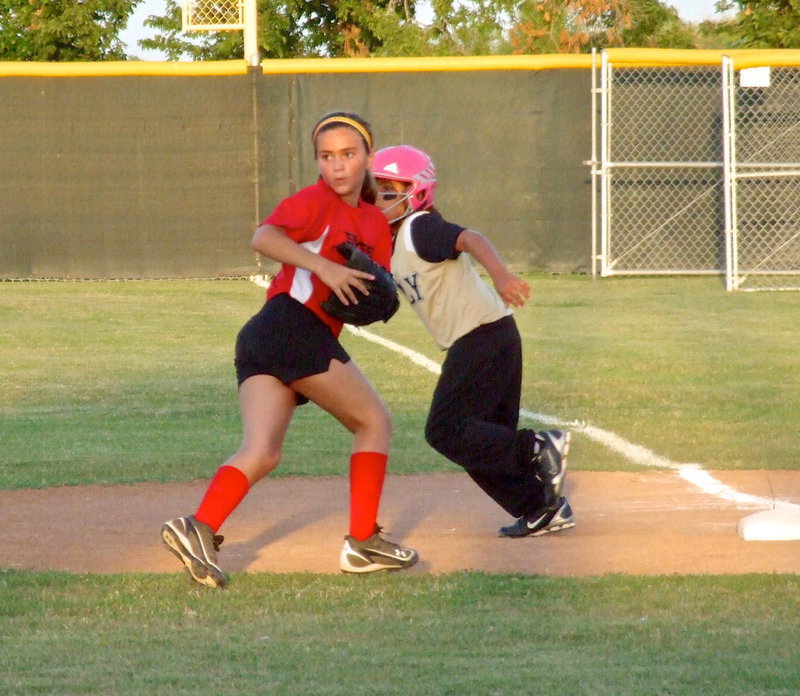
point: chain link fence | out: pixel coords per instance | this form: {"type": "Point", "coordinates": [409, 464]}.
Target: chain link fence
{"type": "Point", "coordinates": [764, 177]}
{"type": "Point", "coordinates": [699, 171]}
{"type": "Point", "coordinates": [662, 170]}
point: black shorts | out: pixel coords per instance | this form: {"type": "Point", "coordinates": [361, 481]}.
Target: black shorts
{"type": "Point", "coordinates": [288, 341]}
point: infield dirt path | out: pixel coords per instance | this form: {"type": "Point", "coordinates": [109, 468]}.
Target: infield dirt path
{"type": "Point", "coordinates": [649, 523]}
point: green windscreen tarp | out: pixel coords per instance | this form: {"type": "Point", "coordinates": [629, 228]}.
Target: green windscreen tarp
{"type": "Point", "coordinates": [149, 176]}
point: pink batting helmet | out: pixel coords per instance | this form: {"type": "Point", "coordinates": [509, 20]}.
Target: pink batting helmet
{"type": "Point", "coordinates": [410, 165]}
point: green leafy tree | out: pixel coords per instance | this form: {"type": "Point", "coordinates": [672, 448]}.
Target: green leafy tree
{"type": "Point", "coordinates": [346, 28]}
{"type": "Point", "coordinates": [657, 25]}
{"type": "Point", "coordinates": [472, 28]}
{"type": "Point", "coordinates": [337, 28]}
{"type": "Point", "coordinates": [63, 30]}
{"type": "Point", "coordinates": [578, 26]}
{"type": "Point", "coordinates": [555, 26]}
{"type": "Point", "coordinates": [718, 34]}
{"type": "Point", "coordinates": [765, 23]}
{"type": "Point", "coordinates": [294, 29]}
{"type": "Point", "coordinates": [569, 26]}
{"type": "Point", "coordinates": [171, 40]}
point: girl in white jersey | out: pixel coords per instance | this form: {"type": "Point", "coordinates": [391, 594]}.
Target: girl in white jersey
{"type": "Point", "coordinates": [475, 409]}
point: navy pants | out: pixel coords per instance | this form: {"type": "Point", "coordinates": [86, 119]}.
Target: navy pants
{"type": "Point", "coordinates": [475, 412]}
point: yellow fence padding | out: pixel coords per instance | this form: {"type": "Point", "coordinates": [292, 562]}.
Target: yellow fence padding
{"type": "Point", "coordinates": [116, 68]}
{"type": "Point", "coordinates": [743, 58]}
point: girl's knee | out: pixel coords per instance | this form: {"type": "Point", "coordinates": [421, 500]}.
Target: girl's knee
{"type": "Point", "coordinates": [377, 420]}
{"type": "Point", "coordinates": [385, 419]}
{"type": "Point", "coordinates": [373, 430]}
{"type": "Point", "coordinates": [256, 465]}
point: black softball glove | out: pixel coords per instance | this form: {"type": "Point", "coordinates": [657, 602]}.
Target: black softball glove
{"type": "Point", "coordinates": [382, 301]}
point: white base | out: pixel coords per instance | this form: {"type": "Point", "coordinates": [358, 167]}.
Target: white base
{"type": "Point", "coordinates": [771, 525]}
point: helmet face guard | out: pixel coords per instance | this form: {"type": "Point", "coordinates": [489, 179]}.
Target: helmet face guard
{"type": "Point", "coordinates": [401, 197]}
{"type": "Point", "coordinates": [411, 166]}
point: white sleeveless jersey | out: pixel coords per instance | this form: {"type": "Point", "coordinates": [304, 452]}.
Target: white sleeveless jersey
{"type": "Point", "coordinates": [449, 296]}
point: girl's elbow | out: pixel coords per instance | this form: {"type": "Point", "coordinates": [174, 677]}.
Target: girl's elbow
{"type": "Point", "coordinates": [258, 242]}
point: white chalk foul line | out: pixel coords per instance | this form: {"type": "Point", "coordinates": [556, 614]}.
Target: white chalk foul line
{"type": "Point", "coordinates": [412, 355]}
{"type": "Point", "coordinates": [691, 473]}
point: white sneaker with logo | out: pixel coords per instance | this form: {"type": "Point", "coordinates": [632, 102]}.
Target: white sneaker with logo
{"type": "Point", "coordinates": [373, 554]}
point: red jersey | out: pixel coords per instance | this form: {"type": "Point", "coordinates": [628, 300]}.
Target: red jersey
{"type": "Point", "coordinates": [316, 218]}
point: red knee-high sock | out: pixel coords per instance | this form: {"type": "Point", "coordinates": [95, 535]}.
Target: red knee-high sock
{"type": "Point", "coordinates": [226, 490]}
{"type": "Point", "coordinates": [367, 471]}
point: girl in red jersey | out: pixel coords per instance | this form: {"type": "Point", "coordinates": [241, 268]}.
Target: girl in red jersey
{"type": "Point", "coordinates": [289, 354]}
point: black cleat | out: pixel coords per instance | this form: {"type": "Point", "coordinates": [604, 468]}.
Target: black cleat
{"type": "Point", "coordinates": [543, 521]}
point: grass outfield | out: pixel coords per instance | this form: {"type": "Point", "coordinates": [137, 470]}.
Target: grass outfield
{"type": "Point", "coordinates": [127, 382]}
{"type": "Point", "coordinates": [458, 634]}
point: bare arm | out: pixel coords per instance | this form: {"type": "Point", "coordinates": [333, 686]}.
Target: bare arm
{"type": "Point", "coordinates": [512, 289]}
{"type": "Point", "coordinates": [272, 242]}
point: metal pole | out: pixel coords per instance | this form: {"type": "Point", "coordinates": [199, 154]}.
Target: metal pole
{"type": "Point", "coordinates": [729, 185]}
{"type": "Point", "coordinates": [251, 54]}
{"type": "Point", "coordinates": [605, 172]}
{"type": "Point", "coordinates": [593, 178]}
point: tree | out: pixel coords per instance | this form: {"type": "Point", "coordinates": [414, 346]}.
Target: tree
{"type": "Point", "coordinates": [718, 34]}
{"type": "Point", "coordinates": [479, 27]}
{"type": "Point", "coordinates": [556, 26]}
{"type": "Point", "coordinates": [291, 29]}
{"type": "Point", "coordinates": [63, 30]}
{"type": "Point", "coordinates": [656, 25]}
{"type": "Point", "coordinates": [348, 28]}
{"type": "Point", "coordinates": [766, 23]}
{"type": "Point", "coordinates": [569, 26]}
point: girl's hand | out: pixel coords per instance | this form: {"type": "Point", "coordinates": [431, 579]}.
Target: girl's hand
{"type": "Point", "coordinates": [512, 289]}
{"type": "Point", "coordinates": [343, 281]}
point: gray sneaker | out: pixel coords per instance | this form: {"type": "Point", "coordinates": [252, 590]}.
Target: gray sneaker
{"type": "Point", "coordinates": [550, 460]}
{"type": "Point", "coordinates": [543, 521]}
{"type": "Point", "coordinates": [373, 554]}
{"type": "Point", "coordinates": [196, 545]}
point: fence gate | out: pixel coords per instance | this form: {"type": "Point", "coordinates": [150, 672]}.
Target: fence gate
{"type": "Point", "coordinates": [699, 167]}
{"type": "Point", "coordinates": [762, 176]}
{"type": "Point", "coordinates": [660, 169]}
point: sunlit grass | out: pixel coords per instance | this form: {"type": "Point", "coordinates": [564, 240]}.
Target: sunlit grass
{"type": "Point", "coordinates": [122, 382]}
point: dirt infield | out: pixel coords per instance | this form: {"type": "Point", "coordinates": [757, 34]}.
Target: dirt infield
{"type": "Point", "coordinates": [649, 523]}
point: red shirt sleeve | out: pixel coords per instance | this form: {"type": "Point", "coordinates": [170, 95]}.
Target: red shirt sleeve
{"type": "Point", "coordinates": [296, 215]}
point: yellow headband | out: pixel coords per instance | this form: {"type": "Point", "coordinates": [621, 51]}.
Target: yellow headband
{"type": "Point", "coordinates": [347, 122]}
